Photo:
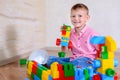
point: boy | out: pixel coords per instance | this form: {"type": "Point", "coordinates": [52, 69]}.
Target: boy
{"type": "Point", "coordinates": [83, 51]}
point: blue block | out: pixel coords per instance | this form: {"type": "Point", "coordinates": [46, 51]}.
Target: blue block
{"type": "Point", "coordinates": [79, 75]}
{"type": "Point", "coordinates": [36, 77]}
{"type": "Point", "coordinates": [105, 77]}
{"type": "Point", "coordinates": [91, 72]}
{"type": "Point", "coordinates": [39, 65]}
{"type": "Point", "coordinates": [64, 43]}
{"type": "Point", "coordinates": [97, 40]}
{"type": "Point", "coordinates": [49, 77]}
{"type": "Point", "coordinates": [116, 62]}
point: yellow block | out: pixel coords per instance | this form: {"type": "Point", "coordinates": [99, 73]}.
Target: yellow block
{"type": "Point", "coordinates": [110, 43]}
{"type": "Point", "coordinates": [105, 64]}
{"type": "Point", "coordinates": [67, 34]}
{"type": "Point", "coordinates": [110, 55]}
{"type": "Point", "coordinates": [29, 72]}
{"type": "Point", "coordinates": [54, 70]}
{"type": "Point", "coordinates": [45, 75]}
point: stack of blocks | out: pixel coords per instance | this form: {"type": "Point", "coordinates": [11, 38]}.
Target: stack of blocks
{"type": "Point", "coordinates": [65, 37]}
{"type": "Point", "coordinates": [58, 72]}
{"type": "Point", "coordinates": [105, 62]}
{"type": "Point", "coordinates": [103, 66]}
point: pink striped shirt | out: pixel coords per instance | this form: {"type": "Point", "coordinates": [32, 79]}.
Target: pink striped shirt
{"type": "Point", "coordinates": [81, 43]}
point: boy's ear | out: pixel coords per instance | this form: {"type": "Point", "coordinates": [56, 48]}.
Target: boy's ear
{"type": "Point", "coordinates": [88, 17]}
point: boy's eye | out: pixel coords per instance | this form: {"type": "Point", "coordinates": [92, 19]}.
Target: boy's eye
{"type": "Point", "coordinates": [73, 16]}
{"type": "Point", "coordinates": [80, 15]}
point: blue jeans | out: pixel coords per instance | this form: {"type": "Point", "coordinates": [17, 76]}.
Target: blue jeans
{"type": "Point", "coordinates": [82, 62]}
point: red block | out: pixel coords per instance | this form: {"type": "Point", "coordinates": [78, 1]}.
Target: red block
{"type": "Point", "coordinates": [116, 76]}
{"type": "Point", "coordinates": [96, 77]}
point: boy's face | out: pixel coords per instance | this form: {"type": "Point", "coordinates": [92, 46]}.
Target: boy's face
{"type": "Point", "coordinates": [79, 17]}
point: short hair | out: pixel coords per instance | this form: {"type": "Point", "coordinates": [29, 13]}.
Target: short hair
{"type": "Point", "coordinates": [81, 6]}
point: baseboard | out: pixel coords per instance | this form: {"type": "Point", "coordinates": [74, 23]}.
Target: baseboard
{"type": "Point", "coordinates": [14, 58]}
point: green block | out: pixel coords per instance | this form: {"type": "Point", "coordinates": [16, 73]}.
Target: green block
{"type": "Point", "coordinates": [23, 61]}
{"type": "Point", "coordinates": [39, 72]}
{"type": "Point", "coordinates": [110, 72]}
{"type": "Point", "coordinates": [104, 48]}
{"type": "Point", "coordinates": [68, 69]}
{"type": "Point", "coordinates": [43, 68]}
{"type": "Point", "coordinates": [32, 75]}
{"type": "Point", "coordinates": [61, 54]}
{"type": "Point", "coordinates": [104, 55]}
{"type": "Point", "coordinates": [86, 73]}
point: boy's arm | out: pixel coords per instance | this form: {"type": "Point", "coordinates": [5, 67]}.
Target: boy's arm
{"type": "Point", "coordinates": [63, 48]}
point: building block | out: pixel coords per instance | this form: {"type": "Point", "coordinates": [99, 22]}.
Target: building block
{"type": "Point", "coordinates": [65, 37]}
{"type": "Point", "coordinates": [110, 43]}
{"type": "Point", "coordinates": [61, 54]}
{"type": "Point", "coordinates": [36, 77]}
{"type": "Point", "coordinates": [86, 74]}
{"type": "Point", "coordinates": [23, 61]}
{"type": "Point", "coordinates": [68, 68]}
{"type": "Point", "coordinates": [79, 75]}
{"type": "Point", "coordinates": [97, 40]}
{"type": "Point", "coordinates": [105, 77]}
{"type": "Point", "coordinates": [96, 77]}
{"type": "Point", "coordinates": [102, 69]}
{"type": "Point", "coordinates": [110, 72]}
{"type": "Point", "coordinates": [116, 76]}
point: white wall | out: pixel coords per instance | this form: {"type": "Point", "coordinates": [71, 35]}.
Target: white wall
{"type": "Point", "coordinates": [22, 27]}
{"type": "Point", "coordinates": [104, 17]}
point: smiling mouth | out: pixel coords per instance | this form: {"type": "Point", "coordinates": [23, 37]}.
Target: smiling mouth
{"type": "Point", "coordinates": [76, 22]}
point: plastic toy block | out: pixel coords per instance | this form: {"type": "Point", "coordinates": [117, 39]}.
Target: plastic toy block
{"type": "Point", "coordinates": [61, 71]}
{"type": "Point", "coordinates": [105, 64]}
{"type": "Point", "coordinates": [104, 48]}
{"type": "Point", "coordinates": [55, 74]}
{"type": "Point", "coordinates": [110, 43]}
{"type": "Point", "coordinates": [110, 55]}
{"type": "Point", "coordinates": [58, 42]}
{"type": "Point", "coordinates": [67, 34]}
{"type": "Point", "coordinates": [109, 62]}
{"type": "Point", "coordinates": [104, 55]}
{"type": "Point", "coordinates": [110, 72]}
{"type": "Point", "coordinates": [105, 77]}
{"type": "Point", "coordinates": [34, 68]}
{"type": "Point", "coordinates": [69, 45]}
{"type": "Point", "coordinates": [32, 75]}
{"type": "Point", "coordinates": [91, 71]}
{"type": "Point", "coordinates": [45, 75]}
{"type": "Point", "coordinates": [98, 55]}
{"type": "Point", "coordinates": [63, 32]}
{"type": "Point", "coordinates": [79, 74]}
{"type": "Point", "coordinates": [68, 68]}
{"type": "Point", "coordinates": [69, 78]}
{"type": "Point", "coordinates": [61, 54]}
{"type": "Point", "coordinates": [96, 63]}
{"type": "Point", "coordinates": [116, 62]}
{"type": "Point", "coordinates": [54, 70]}
{"type": "Point", "coordinates": [116, 76]}
{"type": "Point", "coordinates": [39, 72]}
{"type": "Point", "coordinates": [30, 64]}
{"type": "Point", "coordinates": [97, 40]}
{"type": "Point", "coordinates": [36, 77]}
{"type": "Point", "coordinates": [23, 61]}
{"type": "Point", "coordinates": [54, 66]}
{"type": "Point", "coordinates": [96, 77]}
{"type": "Point", "coordinates": [64, 43]}
{"type": "Point", "coordinates": [29, 72]}
{"type": "Point", "coordinates": [86, 74]}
